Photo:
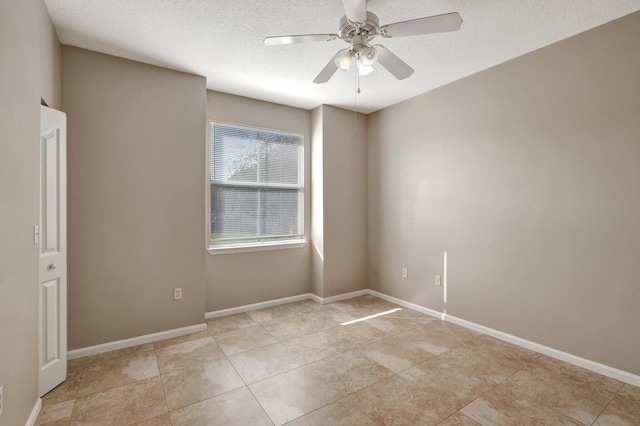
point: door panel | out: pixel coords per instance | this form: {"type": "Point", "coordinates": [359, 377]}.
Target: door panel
{"type": "Point", "coordinates": [53, 251]}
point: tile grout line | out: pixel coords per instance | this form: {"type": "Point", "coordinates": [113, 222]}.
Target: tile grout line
{"type": "Point", "coordinates": [607, 405]}
{"type": "Point", "coordinates": [164, 391]}
{"type": "Point", "coordinates": [260, 404]}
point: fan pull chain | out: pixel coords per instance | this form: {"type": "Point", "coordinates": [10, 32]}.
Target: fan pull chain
{"type": "Point", "coordinates": [355, 97]}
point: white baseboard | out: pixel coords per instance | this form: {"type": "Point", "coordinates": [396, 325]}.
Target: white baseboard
{"type": "Point", "coordinates": [135, 341]}
{"type": "Point", "coordinates": [340, 297]}
{"type": "Point", "coordinates": [596, 367]}
{"type": "Point", "coordinates": [406, 304]}
{"type": "Point", "coordinates": [31, 421]}
{"type": "Point", "coordinates": [261, 305]}
{"type": "Point", "coordinates": [276, 302]}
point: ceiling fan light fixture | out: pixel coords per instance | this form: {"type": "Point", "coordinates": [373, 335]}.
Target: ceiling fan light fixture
{"type": "Point", "coordinates": [344, 59]}
{"type": "Point", "coordinates": [368, 55]}
{"type": "Point", "coordinates": [364, 70]}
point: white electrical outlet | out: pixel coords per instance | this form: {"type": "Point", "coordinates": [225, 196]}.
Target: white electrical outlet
{"type": "Point", "coordinates": [177, 293]}
{"type": "Point", "coordinates": [438, 281]}
{"type": "Point", "coordinates": [0, 400]}
{"type": "Point", "coordinates": [405, 273]}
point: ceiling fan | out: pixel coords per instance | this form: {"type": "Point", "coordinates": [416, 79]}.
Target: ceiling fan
{"type": "Point", "coordinates": [359, 27]}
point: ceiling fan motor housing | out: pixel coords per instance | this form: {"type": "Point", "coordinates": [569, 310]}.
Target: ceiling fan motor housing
{"type": "Point", "coordinates": [350, 29]}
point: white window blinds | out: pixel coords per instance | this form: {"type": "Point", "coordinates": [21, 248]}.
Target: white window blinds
{"type": "Point", "coordinates": [257, 185]}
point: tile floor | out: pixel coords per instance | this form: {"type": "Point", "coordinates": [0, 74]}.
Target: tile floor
{"type": "Point", "coordinates": [363, 361]}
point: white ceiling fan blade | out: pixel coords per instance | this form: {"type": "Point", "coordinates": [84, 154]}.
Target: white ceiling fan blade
{"type": "Point", "coordinates": [429, 25]}
{"type": "Point", "coordinates": [393, 64]}
{"type": "Point", "coordinates": [356, 10]}
{"type": "Point", "coordinates": [290, 39]}
{"type": "Point", "coordinates": [328, 70]}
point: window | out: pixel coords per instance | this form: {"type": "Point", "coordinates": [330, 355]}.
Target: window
{"type": "Point", "coordinates": [256, 186]}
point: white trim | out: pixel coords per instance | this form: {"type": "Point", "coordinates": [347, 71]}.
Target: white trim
{"type": "Point", "coordinates": [276, 302]}
{"type": "Point", "coordinates": [343, 296]}
{"type": "Point", "coordinates": [406, 304]}
{"type": "Point", "coordinates": [135, 341]}
{"type": "Point", "coordinates": [248, 247]}
{"type": "Point", "coordinates": [596, 367]}
{"type": "Point", "coordinates": [315, 298]}
{"type": "Point", "coordinates": [261, 305]}
{"type": "Point", "coordinates": [31, 421]}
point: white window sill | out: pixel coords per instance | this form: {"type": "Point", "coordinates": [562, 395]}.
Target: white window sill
{"type": "Point", "coordinates": [245, 248]}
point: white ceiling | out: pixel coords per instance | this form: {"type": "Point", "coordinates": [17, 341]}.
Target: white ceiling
{"type": "Point", "coordinates": [223, 40]}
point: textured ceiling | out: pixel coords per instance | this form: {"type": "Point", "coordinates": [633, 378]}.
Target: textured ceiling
{"type": "Point", "coordinates": [223, 40]}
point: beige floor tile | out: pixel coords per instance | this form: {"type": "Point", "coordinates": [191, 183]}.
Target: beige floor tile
{"type": "Point", "coordinates": [397, 324]}
{"type": "Point", "coordinates": [244, 339]}
{"type": "Point", "coordinates": [350, 371]}
{"type": "Point", "coordinates": [308, 306]}
{"type": "Point", "coordinates": [163, 420]}
{"type": "Point", "coordinates": [624, 410]}
{"type": "Point", "coordinates": [492, 365]}
{"type": "Point", "coordinates": [459, 419]}
{"type": "Point", "coordinates": [332, 341]}
{"type": "Point", "coordinates": [235, 408]}
{"type": "Point", "coordinates": [193, 384]}
{"type": "Point", "coordinates": [507, 348]}
{"type": "Point", "coordinates": [295, 393]}
{"type": "Point", "coordinates": [301, 325]}
{"type": "Point", "coordinates": [580, 401]}
{"type": "Point", "coordinates": [502, 407]}
{"type": "Point", "coordinates": [128, 404]}
{"type": "Point", "coordinates": [117, 372]}
{"type": "Point", "coordinates": [187, 354]}
{"type": "Point", "coordinates": [459, 385]}
{"type": "Point", "coordinates": [364, 306]}
{"type": "Point", "coordinates": [66, 390]}
{"type": "Point", "coordinates": [56, 414]}
{"type": "Point", "coordinates": [335, 414]}
{"type": "Point", "coordinates": [288, 329]}
{"type": "Point", "coordinates": [273, 313]}
{"type": "Point", "coordinates": [400, 352]}
{"type": "Point", "coordinates": [229, 323]}
{"type": "Point", "coordinates": [329, 316]}
{"type": "Point", "coordinates": [264, 362]}
{"type": "Point", "coordinates": [395, 401]}
{"type": "Point", "coordinates": [112, 355]}
{"type": "Point", "coordinates": [557, 367]}
{"type": "Point", "coordinates": [180, 339]}
{"type": "Point", "coordinates": [442, 334]}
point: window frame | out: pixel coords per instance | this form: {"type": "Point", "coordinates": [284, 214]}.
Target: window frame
{"type": "Point", "coordinates": [239, 247]}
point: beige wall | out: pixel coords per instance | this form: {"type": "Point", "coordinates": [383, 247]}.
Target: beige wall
{"type": "Point", "coordinates": [344, 193]}
{"type": "Point", "coordinates": [29, 70]}
{"type": "Point", "coordinates": [136, 150]}
{"type": "Point", "coordinates": [527, 174]}
{"type": "Point", "coordinates": [236, 279]}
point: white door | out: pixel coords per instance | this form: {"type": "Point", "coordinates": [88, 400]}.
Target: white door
{"type": "Point", "coordinates": [52, 238]}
